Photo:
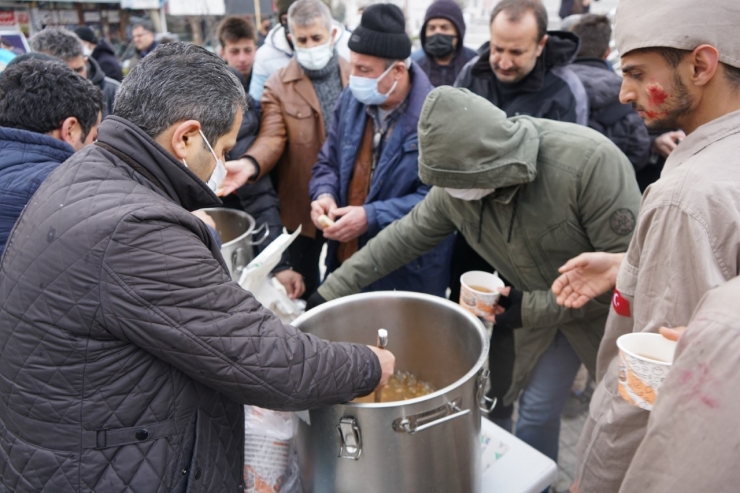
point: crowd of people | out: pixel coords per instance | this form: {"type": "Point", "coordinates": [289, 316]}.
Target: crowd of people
{"type": "Point", "coordinates": [608, 203]}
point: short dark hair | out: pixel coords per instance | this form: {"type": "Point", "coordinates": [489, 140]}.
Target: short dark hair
{"type": "Point", "coordinates": [59, 42]}
{"type": "Point", "coordinates": [145, 25]}
{"type": "Point", "coordinates": [178, 82]}
{"type": "Point", "coordinates": [515, 9]}
{"type": "Point", "coordinates": [595, 32]}
{"type": "Point", "coordinates": [38, 95]}
{"type": "Point", "coordinates": [732, 74]}
{"type": "Point", "coordinates": [235, 28]}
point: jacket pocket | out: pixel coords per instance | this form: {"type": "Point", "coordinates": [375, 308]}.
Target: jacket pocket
{"type": "Point", "coordinates": [300, 123]}
{"type": "Point", "coordinates": [209, 469]}
{"type": "Point", "coordinates": [30, 468]}
{"type": "Point", "coordinates": [561, 243]}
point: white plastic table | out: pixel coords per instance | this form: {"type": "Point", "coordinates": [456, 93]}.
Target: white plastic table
{"type": "Point", "coordinates": [512, 466]}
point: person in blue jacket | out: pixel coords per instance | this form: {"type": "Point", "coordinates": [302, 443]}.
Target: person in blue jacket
{"type": "Point", "coordinates": [47, 112]}
{"type": "Point", "coordinates": [366, 176]}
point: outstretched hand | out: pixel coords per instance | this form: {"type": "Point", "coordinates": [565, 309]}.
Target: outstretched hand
{"type": "Point", "coordinates": [586, 277]}
{"type": "Point", "coordinates": [237, 174]}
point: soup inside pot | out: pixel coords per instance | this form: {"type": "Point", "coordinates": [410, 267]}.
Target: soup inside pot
{"type": "Point", "coordinates": [402, 385]}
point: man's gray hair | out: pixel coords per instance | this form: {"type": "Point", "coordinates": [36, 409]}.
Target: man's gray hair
{"type": "Point", "coordinates": [179, 82]}
{"type": "Point", "coordinates": [305, 12]}
{"type": "Point", "coordinates": [57, 42]}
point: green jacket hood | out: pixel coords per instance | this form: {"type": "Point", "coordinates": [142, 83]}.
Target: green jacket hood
{"type": "Point", "coordinates": [467, 142]}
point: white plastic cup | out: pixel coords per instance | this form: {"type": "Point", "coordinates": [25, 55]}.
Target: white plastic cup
{"type": "Point", "coordinates": [644, 361]}
{"type": "Point", "coordinates": [479, 292]}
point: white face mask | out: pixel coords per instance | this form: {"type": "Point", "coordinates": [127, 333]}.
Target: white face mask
{"type": "Point", "coordinates": [315, 58]}
{"type": "Point", "coordinates": [469, 193]}
{"type": "Point", "coordinates": [219, 172]}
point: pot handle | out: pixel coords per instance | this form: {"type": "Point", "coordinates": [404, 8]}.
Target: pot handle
{"type": "Point", "coordinates": [264, 236]}
{"type": "Point", "coordinates": [420, 422]}
{"type": "Point", "coordinates": [485, 403]}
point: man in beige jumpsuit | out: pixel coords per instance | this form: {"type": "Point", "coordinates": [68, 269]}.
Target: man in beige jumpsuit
{"type": "Point", "coordinates": [681, 63]}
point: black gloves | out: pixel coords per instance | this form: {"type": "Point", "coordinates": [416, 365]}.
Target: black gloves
{"type": "Point", "coordinates": [512, 317]}
{"type": "Point", "coordinates": [314, 300]}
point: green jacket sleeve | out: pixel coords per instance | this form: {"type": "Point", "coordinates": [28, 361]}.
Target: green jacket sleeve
{"type": "Point", "coordinates": [402, 241]}
{"type": "Point", "coordinates": [608, 201]}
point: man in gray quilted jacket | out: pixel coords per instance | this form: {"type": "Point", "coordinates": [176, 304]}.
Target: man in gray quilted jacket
{"type": "Point", "coordinates": [126, 352]}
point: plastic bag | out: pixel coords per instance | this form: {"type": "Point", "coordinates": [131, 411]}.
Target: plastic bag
{"type": "Point", "coordinates": [256, 279]}
{"type": "Point", "coordinates": [270, 461]}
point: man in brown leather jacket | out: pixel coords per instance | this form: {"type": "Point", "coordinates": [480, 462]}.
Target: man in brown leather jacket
{"type": "Point", "coordinates": [297, 107]}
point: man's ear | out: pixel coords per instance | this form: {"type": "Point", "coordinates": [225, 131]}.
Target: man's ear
{"type": "Point", "coordinates": [606, 54]}
{"type": "Point", "coordinates": [704, 60]}
{"type": "Point", "coordinates": [70, 131]}
{"type": "Point", "coordinates": [541, 44]}
{"type": "Point", "coordinates": [290, 37]}
{"type": "Point", "coordinates": [183, 138]}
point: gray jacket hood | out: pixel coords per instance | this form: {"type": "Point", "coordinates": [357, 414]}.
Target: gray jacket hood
{"type": "Point", "coordinates": [466, 142]}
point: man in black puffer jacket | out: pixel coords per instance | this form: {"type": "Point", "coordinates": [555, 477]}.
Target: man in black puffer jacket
{"type": "Point", "coordinates": [127, 351]}
{"type": "Point", "coordinates": [619, 122]}
{"type": "Point", "coordinates": [524, 69]}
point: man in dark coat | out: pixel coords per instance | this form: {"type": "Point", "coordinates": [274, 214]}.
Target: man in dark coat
{"type": "Point", "coordinates": [619, 122]}
{"type": "Point", "coordinates": [128, 352]}
{"type": "Point", "coordinates": [367, 175]}
{"type": "Point", "coordinates": [101, 51]}
{"type": "Point", "coordinates": [524, 69]}
{"type": "Point", "coordinates": [442, 54]}
{"type": "Point", "coordinates": [47, 112]}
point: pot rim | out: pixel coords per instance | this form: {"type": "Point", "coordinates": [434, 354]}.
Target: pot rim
{"type": "Point", "coordinates": [480, 329]}
{"type": "Point", "coordinates": [252, 224]}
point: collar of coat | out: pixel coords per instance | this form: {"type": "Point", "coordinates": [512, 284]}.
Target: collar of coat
{"type": "Point", "coordinates": [701, 138]}
{"type": "Point", "coordinates": [175, 180]}
{"type": "Point", "coordinates": [293, 71]}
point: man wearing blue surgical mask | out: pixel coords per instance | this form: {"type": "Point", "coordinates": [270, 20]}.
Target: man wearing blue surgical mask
{"type": "Point", "coordinates": [367, 175]}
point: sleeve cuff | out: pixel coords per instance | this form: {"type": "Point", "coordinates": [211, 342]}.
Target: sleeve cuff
{"type": "Point", "coordinates": [372, 220]}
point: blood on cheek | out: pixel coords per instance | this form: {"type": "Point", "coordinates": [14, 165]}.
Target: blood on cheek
{"type": "Point", "coordinates": [656, 98]}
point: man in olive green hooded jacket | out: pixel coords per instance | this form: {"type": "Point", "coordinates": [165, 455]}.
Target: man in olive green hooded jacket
{"type": "Point", "coordinates": [532, 193]}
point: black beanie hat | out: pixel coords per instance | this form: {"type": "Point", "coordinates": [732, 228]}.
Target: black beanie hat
{"type": "Point", "coordinates": [86, 34]}
{"type": "Point", "coordinates": [445, 9]}
{"type": "Point", "coordinates": [381, 33]}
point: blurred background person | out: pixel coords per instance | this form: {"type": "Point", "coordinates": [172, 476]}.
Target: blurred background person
{"type": "Point", "coordinates": [238, 46]}
{"type": "Point", "coordinates": [142, 35]}
{"type": "Point", "coordinates": [65, 45]}
{"type": "Point", "coordinates": [264, 29]}
{"type": "Point", "coordinates": [619, 122]}
{"type": "Point", "coordinates": [442, 54]}
{"type": "Point", "coordinates": [101, 51]}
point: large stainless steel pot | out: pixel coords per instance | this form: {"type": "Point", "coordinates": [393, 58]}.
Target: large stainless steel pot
{"type": "Point", "coordinates": [423, 445]}
{"type": "Point", "coordinates": [237, 230]}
